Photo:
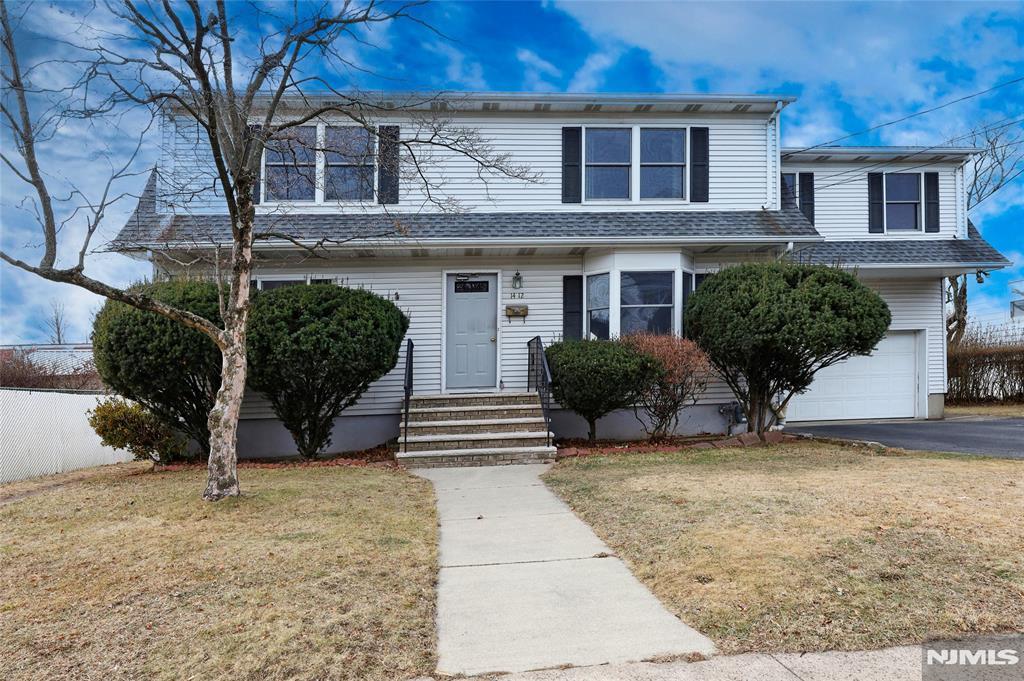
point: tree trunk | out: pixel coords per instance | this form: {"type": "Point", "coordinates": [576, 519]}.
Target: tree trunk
{"type": "Point", "coordinates": [592, 433]}
{"type": "Point", "coordinates": [956, 323]}
{"type": "Point", "coordinates": [222, 466]}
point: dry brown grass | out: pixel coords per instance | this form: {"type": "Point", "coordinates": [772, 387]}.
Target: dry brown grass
{"type": "Point", "coordinates": [315, 573]}
{"type": "Point", "coordinates": [986, 410]}
{"type": "Point", "coordinates": [809, 547]}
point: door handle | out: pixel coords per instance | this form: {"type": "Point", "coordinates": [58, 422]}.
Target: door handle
{"type": "Point", "coordinates": [493, 339]}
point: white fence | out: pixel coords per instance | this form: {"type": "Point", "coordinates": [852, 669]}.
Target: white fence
{"type": "Point", "coordinates": [44, 432]}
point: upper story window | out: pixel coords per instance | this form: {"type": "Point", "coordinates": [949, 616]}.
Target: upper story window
{"type": "Point", "coordinates": [320, 163]}
{"type": "Point", "coordinates": [290, 166]}
{"type": "Point", "coordinates": [609, 161]}
{"type": "Point", "coordinates": [662, 163]}
{"type": "Point", "coordinates": [789, 190]}
{"type": "Point", "coordinates": [903, 201]}
{"type": "Point", "coordinates": [635, 163]}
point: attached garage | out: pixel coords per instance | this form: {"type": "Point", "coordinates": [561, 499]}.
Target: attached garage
{"type": "Point", "coordinates": [882, 385]}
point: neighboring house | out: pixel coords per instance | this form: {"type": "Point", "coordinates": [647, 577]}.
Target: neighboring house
{"type": "Point", "coordinates": [637, 199]}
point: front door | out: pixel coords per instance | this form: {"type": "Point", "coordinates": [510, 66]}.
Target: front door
{"type": "Point", "coordinates": [471, 331]}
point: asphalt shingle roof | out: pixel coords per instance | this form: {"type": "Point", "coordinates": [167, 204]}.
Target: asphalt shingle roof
{"type": "Point", "coordinates": [972, 250]}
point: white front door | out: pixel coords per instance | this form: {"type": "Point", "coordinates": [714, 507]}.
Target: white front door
{"type": "Point", "coordinates": [471, 331]}
{"type": "Point", "coordinates": [877, 386]}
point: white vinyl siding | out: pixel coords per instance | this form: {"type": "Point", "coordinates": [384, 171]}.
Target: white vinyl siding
{"type": "Point", "coordinates": [841, 199]}
{"type": "Point", "coordinates": [418, 282]}
{"type": "Point", "coordinates": [739, 166]}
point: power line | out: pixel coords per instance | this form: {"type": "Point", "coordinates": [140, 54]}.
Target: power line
{"type": "Point", "coordinates": [913, 115]}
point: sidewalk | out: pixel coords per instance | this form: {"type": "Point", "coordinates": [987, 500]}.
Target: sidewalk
{"type": "Point", "coordinates": [524, 584]}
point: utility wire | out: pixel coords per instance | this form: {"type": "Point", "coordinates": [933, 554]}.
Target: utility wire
{"type": "Point", "coordinates": [913, 115]}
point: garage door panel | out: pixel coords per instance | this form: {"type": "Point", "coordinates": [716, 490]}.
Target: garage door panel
{"type": "Point", "coordinates": [880, 385]}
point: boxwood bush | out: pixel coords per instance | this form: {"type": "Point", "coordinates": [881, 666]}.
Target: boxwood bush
{"type": "Point", "coordinates": [314, 350]}
{"type": "Point", "coordinates": [595, 377]}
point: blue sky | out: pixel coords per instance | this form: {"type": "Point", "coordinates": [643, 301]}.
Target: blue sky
{"type": "Point", "coordinates": [852, 65]}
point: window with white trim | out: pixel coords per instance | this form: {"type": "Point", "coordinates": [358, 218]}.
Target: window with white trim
{"type": "Point", "coordinates": [646, 302]}
{"type": "Point", "coordinates": [789, 190]}
{"type": "Point", "coordinates": [320, 164]}
{"type": "Point", "coordinates": [662, 163]}
{"type": "Point", "coordinates": [598, 303]}
{"type": "Point", "coordinates": [903, 201]}
{"type": "Point", "coordinates": [290, 165]}
{"type": "Point", "coordinates": [348, 164]}
{"type": "Point", "coordinates": [608, 163]}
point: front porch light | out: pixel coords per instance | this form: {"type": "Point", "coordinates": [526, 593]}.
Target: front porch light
{"type": "Point", "coordinates": [517, 280]}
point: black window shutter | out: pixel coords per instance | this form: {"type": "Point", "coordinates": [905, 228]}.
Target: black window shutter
{"type": "Point", "coordinates": [807, 195]}
{"type": "Point", "coordinates": [687, 290]}
{"type": "Point", "coordinates": [254, 132]}
{"type": "Point", "coordinates": [572, 307]}
{"type": "Point", "coordinates": [572, 165]}
{"type": "Point", "coordinates": [876, 207]}
{"type": "Point", "coordinates": [931, 202]}
{"type": "Point", "coordinates": [700, 167]}
{"type": "Point", "coordinates": [387, 164]}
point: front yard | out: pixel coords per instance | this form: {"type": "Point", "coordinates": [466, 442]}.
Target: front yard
{"type": "Point", "coordinates": [315, 573]}
{"type": "Point", "coordinates": [809, 547]}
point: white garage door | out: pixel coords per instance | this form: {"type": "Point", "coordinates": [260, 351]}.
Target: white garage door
{"type": "Point", "coordinates": [878, 386]}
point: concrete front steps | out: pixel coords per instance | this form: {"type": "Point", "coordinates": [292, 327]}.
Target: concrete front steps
{"type": "Point", "coordinates": [475, 429]}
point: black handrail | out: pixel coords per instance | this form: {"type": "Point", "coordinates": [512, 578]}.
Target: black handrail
{"type": "Point", "coordinates": [538, 377]}
{"type": "Point", "coordinates": [409, 345]}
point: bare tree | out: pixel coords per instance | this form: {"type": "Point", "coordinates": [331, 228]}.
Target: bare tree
{"type": "Point", "coordinates": [56, 323]}
{"type": "Point", "coordinates": [1000, 163]}
{"type": "Point", "coordinates": [190, 58]}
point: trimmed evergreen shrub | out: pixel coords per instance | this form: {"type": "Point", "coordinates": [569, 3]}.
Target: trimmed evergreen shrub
{"type": "Point", "coordinates": [126, 425]}
{"type": "Point", "coordinates": [170, 369]}
{"type": "Point", "coordinates": [595, 377]}
{"type": "Point", "coordinates": [314, 350]}
{"type": "Point", "coordinates": [768, 328]}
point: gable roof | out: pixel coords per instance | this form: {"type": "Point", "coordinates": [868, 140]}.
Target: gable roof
{"type": "Point", "coordinates": [147, 229]}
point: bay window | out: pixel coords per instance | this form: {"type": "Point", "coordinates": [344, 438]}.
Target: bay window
{"type": "Point", "coordinates": [646, 302]}
{"type": "Point", "coordinates": [598, 304]}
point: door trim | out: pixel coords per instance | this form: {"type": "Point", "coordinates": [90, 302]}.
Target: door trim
{"type": "Point", "coordinates": [444, 328]}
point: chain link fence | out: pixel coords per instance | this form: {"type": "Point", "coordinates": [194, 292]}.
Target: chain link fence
{"type": "Point", "coordinates": [44, 432]}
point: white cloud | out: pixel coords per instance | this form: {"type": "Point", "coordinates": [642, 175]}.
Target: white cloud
{"type": "Point", "coordinates": [535, 70]}
{"type": "Point", "coordinates": [459, 71]}
{"type": "Point", "coordinates": [590, 76]}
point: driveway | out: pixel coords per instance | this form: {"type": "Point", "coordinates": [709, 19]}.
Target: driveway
{"type": "Point", "coordinates": [1001, 437]}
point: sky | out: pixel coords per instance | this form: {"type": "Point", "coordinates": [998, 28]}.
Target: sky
{"type": "Point", "coordinates": [853, 66]}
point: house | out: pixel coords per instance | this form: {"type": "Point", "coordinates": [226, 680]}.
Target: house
{"type": "Point", "coordinates": [634, 200]}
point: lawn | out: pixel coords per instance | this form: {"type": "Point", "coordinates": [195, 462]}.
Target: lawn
{"type": "Point", "coordinates": [810, 547]}
{"type": "Point", "coordinates": [986, 410]}
{"type": "Point", "coordinates": [323, 573]}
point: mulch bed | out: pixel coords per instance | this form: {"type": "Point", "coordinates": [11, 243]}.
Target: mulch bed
{"type": "Point", "coordinates": [575, 448]}
{"type": "Point", "coordinates": [377, 457]}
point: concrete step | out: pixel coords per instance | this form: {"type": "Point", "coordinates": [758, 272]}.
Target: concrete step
{"type": "Point", "coordinates": [473, 400]}
{"type": "Point", "coordinates": [483, 456]}
{"type": "Point", "coordinates": [467, 426]}
{"type": "Point", "coordinates": [417, 443]}
{"type": "Point", "coordinates": [474, 412]}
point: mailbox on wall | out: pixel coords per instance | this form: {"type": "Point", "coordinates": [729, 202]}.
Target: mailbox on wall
{"type": "Point", "coordinates": [516, 311]}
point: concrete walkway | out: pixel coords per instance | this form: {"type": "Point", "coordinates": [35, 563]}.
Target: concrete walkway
{"type": "Point", "coordinates": [526, 585]}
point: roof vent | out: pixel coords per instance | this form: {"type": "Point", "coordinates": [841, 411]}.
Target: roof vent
{"type": "Point", "coordinates": [899, 158]}
{"type": "Point", "coordinates": [365, 253]}
{"type": "Point", "coordinates": [439, 106]}
{"type": "Point", "coordinates": [740, 108]}
{"type": "Point", "coordinates": [690, 108]}
{"type": "Point", "coordinates": [526, 251]}
{"type": "Point", "coordinates": [491, 106]}
{"type": "Point", "coordinates": [542, 107]}
{"type": "Point", "coordinates": [474, 251]}
{"type": "Point", "coordinates": [938, 158]}
{"type": "Point", "coordinates": [592, 107]}
{"type": "Point", "coordinates": [578, 250]}
{"type": "Point", "coordinates": [642, 107]}
{"type": "Point", "coordinates": [824, 157]}
{"type": "Point", "coordinates": [861, 158]}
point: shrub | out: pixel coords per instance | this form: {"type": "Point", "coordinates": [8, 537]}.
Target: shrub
{"type": "Point", "coordinates": [596, 377]}
{"type": "Point", "coordinates": [987, 366]}
{"type": "Point", "coordinates": [684, 377]}
{"type": "Point", "coordinates": [769, 327]}
{"type": "Point", "coordinates": [313, 350]}
{"type": "Point", "coordinates": [170, 369]}
{"type": "Point", "coordinates": [130, 426]}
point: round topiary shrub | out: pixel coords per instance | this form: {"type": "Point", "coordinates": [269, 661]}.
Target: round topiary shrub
{"type": "Point", "coordinates": [314, 350]}
{"type": "Point", "coordinates": [769, 327]}
{"type": "Point", "coordinates": [595, 377]}
{"type": "Point", "coordinates": [170, 369]}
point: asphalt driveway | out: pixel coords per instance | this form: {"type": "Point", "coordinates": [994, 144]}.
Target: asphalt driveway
{"type": "Point", "coordinates": [1001, 437]}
